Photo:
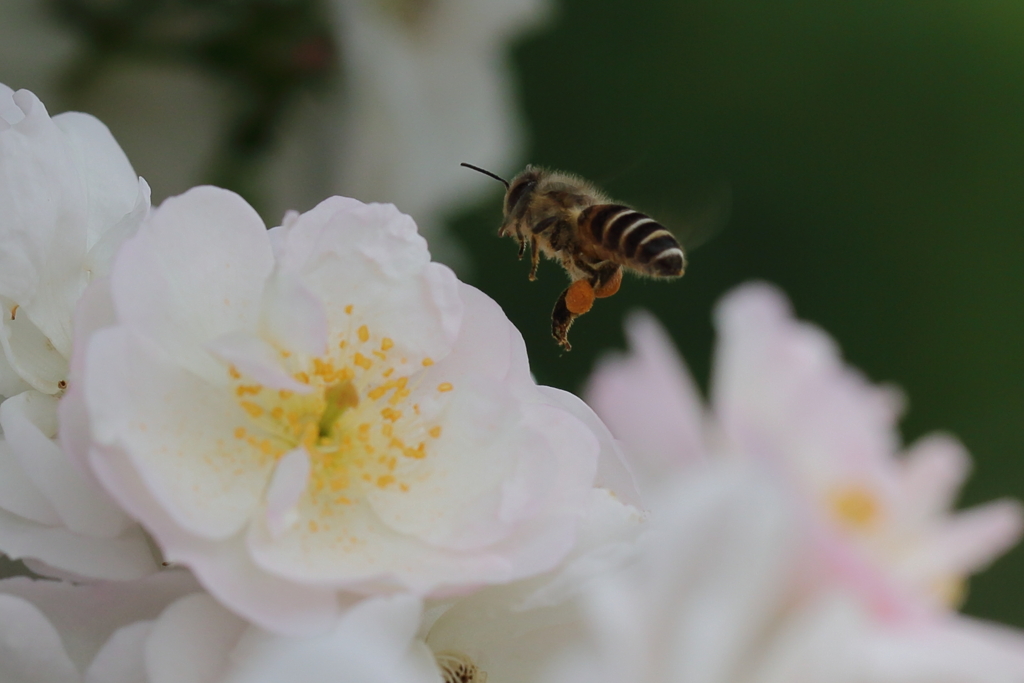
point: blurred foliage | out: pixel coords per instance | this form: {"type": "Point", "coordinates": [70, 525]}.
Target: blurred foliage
{"type": "Point", "coordinates": [874, 152]}
{"type": "Point", "coordinates": [269, 50]}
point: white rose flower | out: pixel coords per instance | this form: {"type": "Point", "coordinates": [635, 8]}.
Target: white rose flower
{"type": "Point", "coordinates": [318, 413]}
{"type": "Point", "coordinates": [716, 594]}
{"type": "Point", "coordinates": [68, 198]}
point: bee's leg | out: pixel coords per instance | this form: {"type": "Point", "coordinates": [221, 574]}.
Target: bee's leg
{"type": "Point", "coordinates": [522, 248]}
{"type": "Point", "coordinates": [576, 300]}
{"type": "Point", "coordinates": [608, 277]}
{"type": "Point", "coordinates": [534, 258]}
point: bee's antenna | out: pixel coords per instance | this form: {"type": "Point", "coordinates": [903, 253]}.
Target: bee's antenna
{"type": "Point", "coordinates": [477, 168]}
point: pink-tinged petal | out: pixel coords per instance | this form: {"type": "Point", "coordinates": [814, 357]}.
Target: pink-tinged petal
{"type": "Point", "coordinates": [192, 641]}
{"type": "Point", "coordinates": [649, 401]}
{"type": "Point", "coordinates": [194, 272]}
{"type": "Point", "coordinates": [256, 359]}
{"type": "Point", "coordinates": [30, 647]}
{"type": "Point", "coordinates": [934, 468]}
{"type": "Point", "coordinates": [293, 318]}
{"type": "Point", "coordinates": [372, 643]}
{"type": "Point", "coordinates": [65, 553]}
{"type": "Point", "coordinates": [18, 494]}
{"type": "Point", "coordinates": [208, 480]}
{"type": "Point", "coordinates": [29, 422]}
{"type": "Point", "coordinates": [288, 483]}
{"type": "Point", "coordinates": [122, 659]}
{"type": "Point", "coordinates": [224, 568]}
{"type": "Point", "coordinates": [970, 540]}
{"type": "Point", "coordinates": [86, 616]}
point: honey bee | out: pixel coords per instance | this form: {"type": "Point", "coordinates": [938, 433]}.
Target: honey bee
{"type": "Point", "coordinates": [570, 221]}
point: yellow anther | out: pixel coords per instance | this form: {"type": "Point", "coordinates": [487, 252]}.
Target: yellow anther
{"type": "Point", "coordinates": [364, 333]}
{"type": "Point", "coordinates": [243, 389]}
{"type": "Point", "coordinates": [302, 377]}
{"type": "Point", "coordinates": [362, 361]}
{"type": "Point", "coordinates": [386, 344]}
{"type": "Point", "coordinates": [387, 430]}
{"type": "Point", "coordinates": [251, 408]}
{"type": "Point", "coordinates": [348, 309]}
{"type": "Point", "coordinates": [435, 431]}
{"type": "Point", "coordinates": [285, 394]}
{"type": "Point", "coordinates": [384, 480]}
{"type": "Point", "coordinates": [239, 432]}
{"type": "Point", "coordinates": [855, 506]}
{"type": "Point", "coordinates": [445, 386]}
{"type": "Point", "coordinates": [233, 372]}
{"type": "Point", "coordinates": [403, 486]}
{"type": "Point", "coordinates": [427, 362]}
{"type": "Point", "coordinates": [381, 355]}
{"type": "Point", "coordinates": [391, 414]}
{"type": "Point", "coordinates": [388, 372]}
{"type": "Point", "coordinates": [277, 413]}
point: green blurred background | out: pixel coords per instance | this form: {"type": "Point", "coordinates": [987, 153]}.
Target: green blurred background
{"type": "Point", "coordinates": [875, 155]}
{"type": "Point", "coordinates": [872, 151]}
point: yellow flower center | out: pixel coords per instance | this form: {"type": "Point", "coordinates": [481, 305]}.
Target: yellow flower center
{"type": "Point", "coordinates": [855, 507]}
{"type": "Point", "coordinates": [356, 423]}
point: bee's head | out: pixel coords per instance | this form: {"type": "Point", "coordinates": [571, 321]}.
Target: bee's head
{"type": "Point", "coordinates": [521, 189]}
{"type": "Point", "coordinates": [517, 192]}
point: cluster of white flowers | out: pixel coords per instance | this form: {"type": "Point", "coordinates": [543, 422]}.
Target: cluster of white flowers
{"type": "Point", "coordinates": [309, 453]}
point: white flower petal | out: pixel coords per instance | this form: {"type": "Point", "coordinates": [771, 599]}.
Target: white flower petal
{"type": "Point", "coordinates": [239, 583]}
{"type": "Point", "coordinates": [370, 644]}
{"type": "Point", "coordinates": [64, 552]}
{"type": "Point", "coordinates": [197, 271]}
{"type": "Point", "coordinates": [30, 648]}
{"type": "Point", "coordinates": [255, 358]}
{"type": "Point", "coordinates": [17, 492]}
{"type": "Point", "coordinates": [293, 318]}
{"type": "Point", "coordinates": [210, 492]}
{"type": "Point", "coordinates": [29, 421]}
{"type": "Point", "coordinates": [122, 658]}
{"type": "Point", "coordinates": [192, 641]}
{"type": "Point", "coordinates": [30, 354]}
{"type": "Point", "coordinates": [288, 483]}
{"type": "Point", "coordinates": [86, 616]}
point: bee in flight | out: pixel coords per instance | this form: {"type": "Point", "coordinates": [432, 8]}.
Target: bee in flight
{"type": "Point", "coordinates": [569, 220]}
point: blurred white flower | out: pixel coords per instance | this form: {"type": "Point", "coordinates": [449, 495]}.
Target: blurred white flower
{"type": "Point", "coordinates": [160, 630]}
{"type": "Point", "coordinates": [68, 198]}
{"type": "Point", "coordinates": [318, 412]}
{"type": "Point", "coordinates": [715, 594]}
{"type": "Point", "coordinates": [428, 86]}
{"type": "Point", "coordinates": [782, 396]}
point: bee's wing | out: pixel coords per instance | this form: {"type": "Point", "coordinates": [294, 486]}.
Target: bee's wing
{"type": "Point", "coordinates": [702, 219]}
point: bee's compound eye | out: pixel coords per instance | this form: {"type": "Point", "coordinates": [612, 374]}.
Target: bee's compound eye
{"type": "Point", "coordinates": [517, 192]}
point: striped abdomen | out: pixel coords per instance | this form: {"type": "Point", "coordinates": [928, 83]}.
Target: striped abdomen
{"type": "Point", "coordinates": [640, 240]}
